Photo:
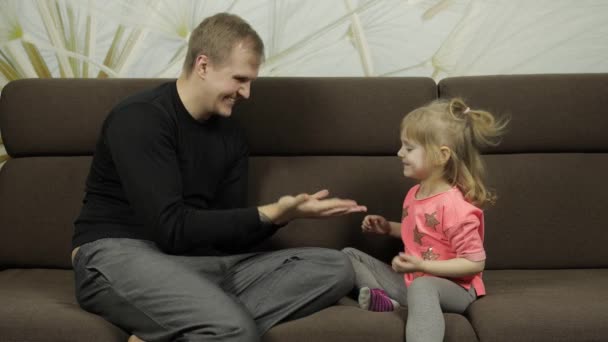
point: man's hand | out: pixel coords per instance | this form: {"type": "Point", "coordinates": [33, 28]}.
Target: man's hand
{"type": "Point", "coordinates": [309, 206]}
{"type": "Point", "coordinates": [403, 263]}
{"type": "Point", "coordinates": [376, 224]}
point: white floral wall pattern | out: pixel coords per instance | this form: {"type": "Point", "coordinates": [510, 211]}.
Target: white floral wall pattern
{"type": "Point", "coordinates": [436, 38]}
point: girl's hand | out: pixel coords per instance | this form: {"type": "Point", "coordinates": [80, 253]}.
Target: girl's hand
{"type": "Point", "coordinates": [403, 263]}
{"type": "Point", "coordinates": [375, 224]}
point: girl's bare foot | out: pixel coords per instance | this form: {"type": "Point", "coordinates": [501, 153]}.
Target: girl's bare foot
{"type": "Point", "coordinates": [134, 338]}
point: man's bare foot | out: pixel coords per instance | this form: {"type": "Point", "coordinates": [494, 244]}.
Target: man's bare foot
{"type": "Point", "coordinates": [134, 338]}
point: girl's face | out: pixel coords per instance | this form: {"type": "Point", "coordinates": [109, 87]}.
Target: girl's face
{"type": "Point", "coordinates": [413, 157]}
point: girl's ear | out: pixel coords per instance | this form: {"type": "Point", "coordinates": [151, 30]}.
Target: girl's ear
{"type": "Point", "coordinates": [445, 153]}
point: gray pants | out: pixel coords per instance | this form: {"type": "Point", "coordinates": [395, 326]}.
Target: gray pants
{"type": "Point", "coordinates": [161, 297]}
{"type": "Point", "coordinates": [426, 298]}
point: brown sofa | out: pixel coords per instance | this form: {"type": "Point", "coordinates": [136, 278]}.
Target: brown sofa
{"type": "Point", "coordinates": [547, 275]}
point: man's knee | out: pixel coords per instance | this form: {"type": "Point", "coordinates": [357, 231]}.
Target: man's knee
{"type": "Point", "coordinates": [327, 267]}
{"type": "Point", "coordinates": [240, 327]}
{"type": "Point", "coordinates": [340, 269]}
{"type": "Point", "coordinates": [352, 253]}
{"type": "Point", "coordinates": [356, 256]}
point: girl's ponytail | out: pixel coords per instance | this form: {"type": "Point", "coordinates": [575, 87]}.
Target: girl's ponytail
{"type": "Point", "coordinates": [480, 129]}
{"type": "Point", "coordinates": [485, 130]}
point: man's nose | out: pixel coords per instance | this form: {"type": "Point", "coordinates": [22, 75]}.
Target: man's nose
{"type": "Point", "coordinates": [245, 90]}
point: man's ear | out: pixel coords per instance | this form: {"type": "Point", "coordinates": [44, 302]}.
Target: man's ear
{"type": "Point", "coordinates": [201, 66]}
{"type": "Point", "coordinates": [445, 153]}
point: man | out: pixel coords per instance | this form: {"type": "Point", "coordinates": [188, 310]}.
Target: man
{"type": "Point", "coordinates": [159, 244]}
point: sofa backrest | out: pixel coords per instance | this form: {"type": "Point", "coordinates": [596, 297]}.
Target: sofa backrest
{"type": "Point", "coordinates": [49, 127]}
{"type": "Point", "coordinates": [305, 134]}
{"type": "Point", "coordinates": [550, 170]}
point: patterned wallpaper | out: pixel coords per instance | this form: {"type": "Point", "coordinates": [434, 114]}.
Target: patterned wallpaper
{"type": "Point", "coordinates": [436, 38]}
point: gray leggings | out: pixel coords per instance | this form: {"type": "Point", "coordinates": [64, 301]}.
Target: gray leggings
{"type": "Point", "coordinates": [426, 298]}
{"type": "Point", "coordinates": [161, 297]}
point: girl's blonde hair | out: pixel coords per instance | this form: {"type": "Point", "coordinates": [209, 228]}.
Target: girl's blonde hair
{"type": "Point", "coordinates": [464, 131]}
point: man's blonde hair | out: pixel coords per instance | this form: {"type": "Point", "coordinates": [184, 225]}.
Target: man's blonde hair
{"type": "Point", "coordinates": [217, 35]}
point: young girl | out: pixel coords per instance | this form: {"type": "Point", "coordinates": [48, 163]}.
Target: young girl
{"type": "Point", "coordinates": [442, 225]}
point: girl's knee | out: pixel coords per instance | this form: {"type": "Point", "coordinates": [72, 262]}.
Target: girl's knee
{"type": "Point", "coordinates": [420, 286]}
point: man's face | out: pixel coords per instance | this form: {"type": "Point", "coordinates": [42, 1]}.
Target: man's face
{"type": "Point", "coordinates": [231, 80]}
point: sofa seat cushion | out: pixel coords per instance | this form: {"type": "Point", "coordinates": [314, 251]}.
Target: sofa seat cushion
{"type": "Point", "coordinates": [39, 305]}
{"type": "Point", "coordinates": [542, 305]}
{"type": "Point", "coordinates": [346, 322]}
{"type": "Point", "coordinates": [342, 322]}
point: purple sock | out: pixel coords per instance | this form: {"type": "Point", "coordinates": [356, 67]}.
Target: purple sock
{"type": "Point", "coordinates": [379, 301]}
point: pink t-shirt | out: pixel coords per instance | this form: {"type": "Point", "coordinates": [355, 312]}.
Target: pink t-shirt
{"type": "Point", "coordinates": [442, 227]}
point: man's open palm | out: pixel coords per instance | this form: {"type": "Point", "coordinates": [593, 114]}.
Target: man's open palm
{"type": "Point", "coordinates": [317, 205]}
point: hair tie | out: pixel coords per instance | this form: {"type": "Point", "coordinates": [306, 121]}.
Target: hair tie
{"type": "Point", "coordinates": [466, 110]}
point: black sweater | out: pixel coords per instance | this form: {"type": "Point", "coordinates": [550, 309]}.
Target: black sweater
{"type": "Point", "coordinates": [158, 174]}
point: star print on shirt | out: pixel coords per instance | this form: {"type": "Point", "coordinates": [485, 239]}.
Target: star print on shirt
{"type": "Point", "coordinates": [418, 235]}
{"type": "Point", "coordinates": [429, 255]}
{"type": "Point", "coordinates": [431, 220]}
{"type": "Point", "coordinates": [404, 214]}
